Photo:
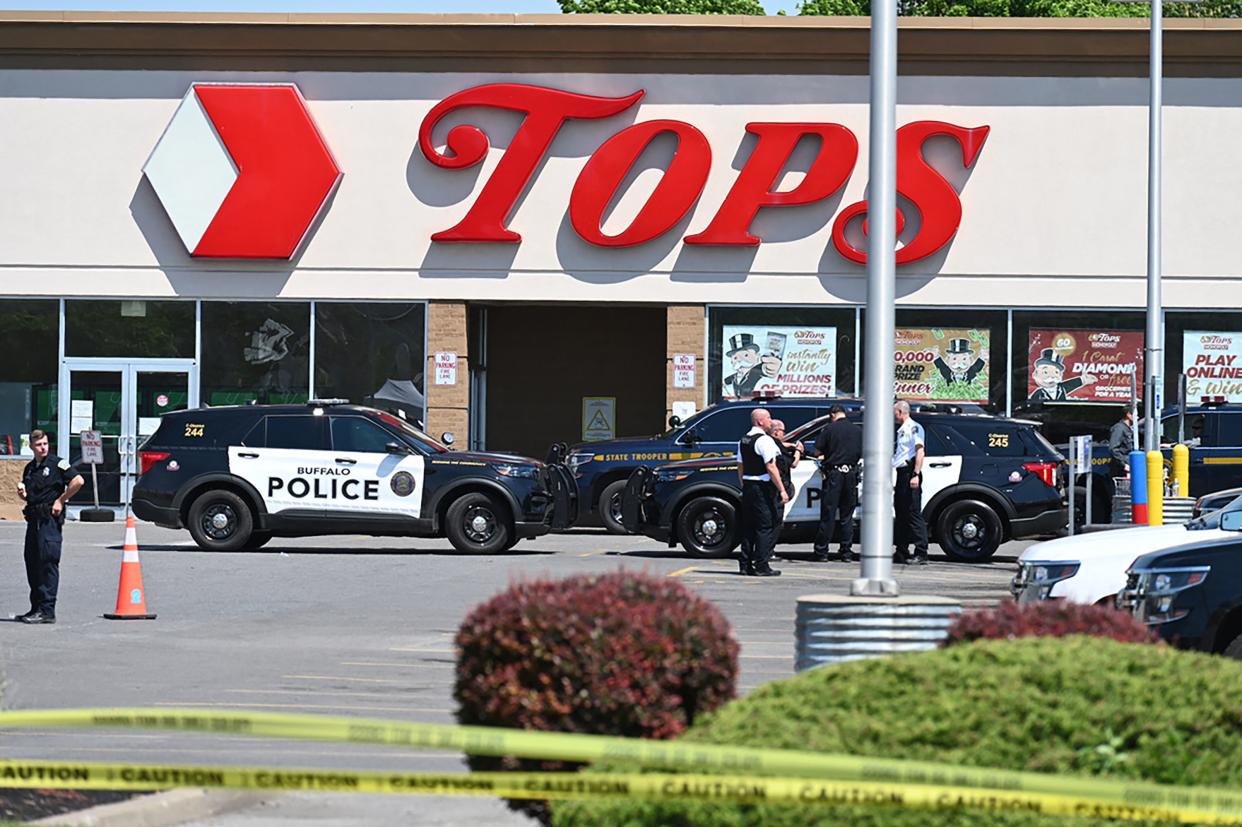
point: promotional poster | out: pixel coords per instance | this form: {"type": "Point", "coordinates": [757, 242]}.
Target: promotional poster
{"type": "Point", "coordinates": [942, 364]}
{"type": "Point", "coordinates": [1084, 365]}
{"type": "Point", "coordinates": [1212, 363]}
{"type": "Point", "coordinates": [787, 361]}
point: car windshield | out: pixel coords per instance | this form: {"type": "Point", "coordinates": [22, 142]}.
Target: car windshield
{"type": "Point", "coordinates": [1211, 520]}
{"type": "Point", "coordinates": [424, 441]}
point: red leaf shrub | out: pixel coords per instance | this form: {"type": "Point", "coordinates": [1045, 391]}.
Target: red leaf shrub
{"type": "Point", "coordinates": [1049, 618]}
{"type": "Point", "coordinates": [615, 654]}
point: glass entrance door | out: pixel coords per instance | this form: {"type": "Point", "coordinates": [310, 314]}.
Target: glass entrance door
{"type": "Point", "coordinates": [124, 401]}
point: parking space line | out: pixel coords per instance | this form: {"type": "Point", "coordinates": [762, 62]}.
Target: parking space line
{"type": "Point", "coordinates": [680, 572]}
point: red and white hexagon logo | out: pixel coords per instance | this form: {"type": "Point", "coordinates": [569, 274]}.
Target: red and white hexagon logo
{"type": "Point", "coordinates": [242, 171]}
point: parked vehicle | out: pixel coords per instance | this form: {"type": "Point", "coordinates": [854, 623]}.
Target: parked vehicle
{"type": "Point", "coordinates": [986, 480]}
{"type": "Point", "coordinates": [1192, 594]}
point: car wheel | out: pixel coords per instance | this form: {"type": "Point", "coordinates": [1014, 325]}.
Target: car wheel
{"type": "Point", "coordinates": [610, 507]}
{"type": "Point", "coordinates": [1234, 649]}
{"type": "Point", "coordinates": [969, 531]}
{"type": "Point", "coordinates": [258, 539]}
{"type": "Point", "coordinates": [707, 527]}
{"type": "Point", "coordinates": [220, 521]}
{"type": "Point", "coordinates": [477, 524]}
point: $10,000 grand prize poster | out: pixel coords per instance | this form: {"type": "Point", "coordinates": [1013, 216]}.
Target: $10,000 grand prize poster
{"type": "Point", "coordinates": [942, 364]}
{"type": "Point", "coordinates": [787, 361]}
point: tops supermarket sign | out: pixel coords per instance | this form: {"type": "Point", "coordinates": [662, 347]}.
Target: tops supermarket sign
{"type": "Point", "coordinates": [546, 112]}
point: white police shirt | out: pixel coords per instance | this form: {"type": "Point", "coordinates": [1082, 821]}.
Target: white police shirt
{"type": "Point", "coordinates": [766, 448]}
{"type": "Point", "coordinates": [909, 440]}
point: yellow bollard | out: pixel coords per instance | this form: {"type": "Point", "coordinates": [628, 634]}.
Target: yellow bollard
{"type": "Point", "coordinates": [1155, 488]}
{"type": "Point", "coordinates": [1181, 469]}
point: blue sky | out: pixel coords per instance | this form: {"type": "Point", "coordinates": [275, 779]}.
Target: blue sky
{"type": "Point", "coordinates": [435, 6]}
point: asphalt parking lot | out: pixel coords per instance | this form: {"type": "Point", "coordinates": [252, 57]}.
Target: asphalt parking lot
{"type": "Point", "coordinates": [344, 626]}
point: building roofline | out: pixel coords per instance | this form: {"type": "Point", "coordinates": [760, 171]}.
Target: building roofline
{"type": "Point", "coordinates": [550, 42]}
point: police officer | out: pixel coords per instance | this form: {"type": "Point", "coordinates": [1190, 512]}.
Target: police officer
{"type": "Point", "coordinates": [790, 455]}
{"type": "Point", "coordinates": [47, 484]}
{"type": "Point", "coordinates": [908, 453]}
{"type": "Point", "coordinates": [763, 494]}
{"type": "Point", "coordinates": [839, 448]}
{"type": "Point", "coordinates": [1120, 444]}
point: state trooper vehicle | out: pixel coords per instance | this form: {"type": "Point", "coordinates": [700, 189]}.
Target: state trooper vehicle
{"type": "Point", "coordinates": [986, 480]}
{"type": "Point", "coordinates": [601, 469]}
{"type": "Point", "coordinates": [236, 477]}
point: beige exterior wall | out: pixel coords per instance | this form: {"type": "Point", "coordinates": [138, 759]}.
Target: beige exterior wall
{"type": "Point", "coordinates": [687, 332]}
{"type": "Point", "coordinates": [448, 406]}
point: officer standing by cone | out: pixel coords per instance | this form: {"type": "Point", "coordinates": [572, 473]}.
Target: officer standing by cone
{"type": "Point", "coordinates": [839, 448]}
{"type": "Point", "coordinates": [47, 484]}
{"type": "Point", "coordinates": [763, 494]}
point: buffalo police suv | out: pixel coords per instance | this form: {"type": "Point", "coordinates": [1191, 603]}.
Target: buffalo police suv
{"type": "Point", "coordinates": [238, 476]}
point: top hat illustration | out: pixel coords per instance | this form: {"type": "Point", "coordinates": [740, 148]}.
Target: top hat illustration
{"type": "Point", "coordinates": [741, 341]}
{"type": "Point", "coordinates": [1050, 357]}
{"type": "Point", "coordinates": [959, 346]}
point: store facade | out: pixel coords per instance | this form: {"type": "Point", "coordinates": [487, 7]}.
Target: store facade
{"type": "Point", "coordinates": [525, 230]}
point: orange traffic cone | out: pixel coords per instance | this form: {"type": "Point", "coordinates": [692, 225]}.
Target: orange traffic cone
{"type": "Point", "coordinates": [131, 600]}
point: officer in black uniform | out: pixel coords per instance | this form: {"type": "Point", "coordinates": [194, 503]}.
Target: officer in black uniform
{"type": "Point", "coordinates": [839, 448]}
{"type": "Point", "coordinates": [47, 484]}
{"type": "Point", "coordinates": [763, 494]}
{"type": "Point", "coordinates": [790, 455]}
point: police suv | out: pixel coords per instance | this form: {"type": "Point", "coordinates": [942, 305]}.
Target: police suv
{"type": "Point", "coordinates": [601, 469]}
{"type": "Point", "coordinates": [238, 476]}
{"type": "Point", "coordinates": [986, 480]}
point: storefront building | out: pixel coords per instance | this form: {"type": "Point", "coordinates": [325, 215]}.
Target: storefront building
{"type": "Point", "coordinates": [524, 230]}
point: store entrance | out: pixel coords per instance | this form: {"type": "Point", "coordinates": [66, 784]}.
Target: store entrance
{"type": "Point", "coordinates": [123, 400]}
{"type": "Point", "coordinates": [543, 362]}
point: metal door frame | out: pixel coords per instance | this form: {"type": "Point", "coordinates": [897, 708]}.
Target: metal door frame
{"type": "Point", "coordinates": [127, 442]}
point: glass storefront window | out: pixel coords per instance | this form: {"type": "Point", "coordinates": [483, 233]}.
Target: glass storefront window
{"type": "Point", "coordinates": [255, 351]}
{"type": "Point", "coordinates": [28, 373]}
{"type": "Point", "coordinates": [1207, 347]}
{"type": "Point", "coordinates": [372, 353]}
{"type": "Point", "coordinates": [106, 327]}
{"type": "Point", "coordinates": [790, 351]}
{"type": "Point", "coordinates": [951, 356]}
{"type": "Point", "coordinates": [1071, 369]}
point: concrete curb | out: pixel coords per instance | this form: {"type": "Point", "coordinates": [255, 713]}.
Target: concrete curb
{"type": "Point", "coordinates": [159, 809]}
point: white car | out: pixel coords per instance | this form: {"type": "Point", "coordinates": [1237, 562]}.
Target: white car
{"type": "Point", "coordinates": [1090, 568]}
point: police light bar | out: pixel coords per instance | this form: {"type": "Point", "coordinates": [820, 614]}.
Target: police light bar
{"type": "Point", "coordinates": [328, 402]}
{"type": "Point", "coordinates": [768, 394]}
{"type": "Point", "coordinates": [1208, 401]}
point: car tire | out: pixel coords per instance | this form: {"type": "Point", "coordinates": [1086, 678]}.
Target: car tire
{"type": "Point", "coordinates": [476, 524]}
{"type": "Point", "coordinates": [708, 527]}
{"type": "Point", "coordinates": [258, 539]}
{"type": "Point", "coordinates": [969, 531]}
{"type": "Point", "coordinates": [1234, 649]}
{"type": "Point", "coordinates": [610, 507]}
{"type": "Point", "coordinates": [220, 521]}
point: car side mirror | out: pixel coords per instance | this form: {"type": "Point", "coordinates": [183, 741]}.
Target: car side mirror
{"type": "Point", "coordinates": [674, 421]}
{"type": "Point", "coordinates": [396, 448]}
{"type": "Point", "coordinates": [1231, 521]}
{"type": "Point", "coordinates": [448, 438]}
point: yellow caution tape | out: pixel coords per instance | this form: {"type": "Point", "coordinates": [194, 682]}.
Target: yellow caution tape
{"type": "Point", "coordinates": [585, 786]}
{"type": "Point", "coordinates": [680, 755]}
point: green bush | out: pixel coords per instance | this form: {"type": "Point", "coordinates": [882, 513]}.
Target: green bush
{"type": "Point", "coordinates": [1076, 705]}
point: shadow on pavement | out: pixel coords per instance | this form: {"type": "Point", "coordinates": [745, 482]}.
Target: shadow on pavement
{"type": "Point", "coordinates": [324, 550]}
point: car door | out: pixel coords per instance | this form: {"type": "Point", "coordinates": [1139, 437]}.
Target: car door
{"type": "Point", "coordinates": [803, 505]}
{"type": "Point", "coordinates": [280, 457]}
{"type": "Point", "coordinates": [383, 476]}
{"type": "Point", "coordinates": [942, 463]}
